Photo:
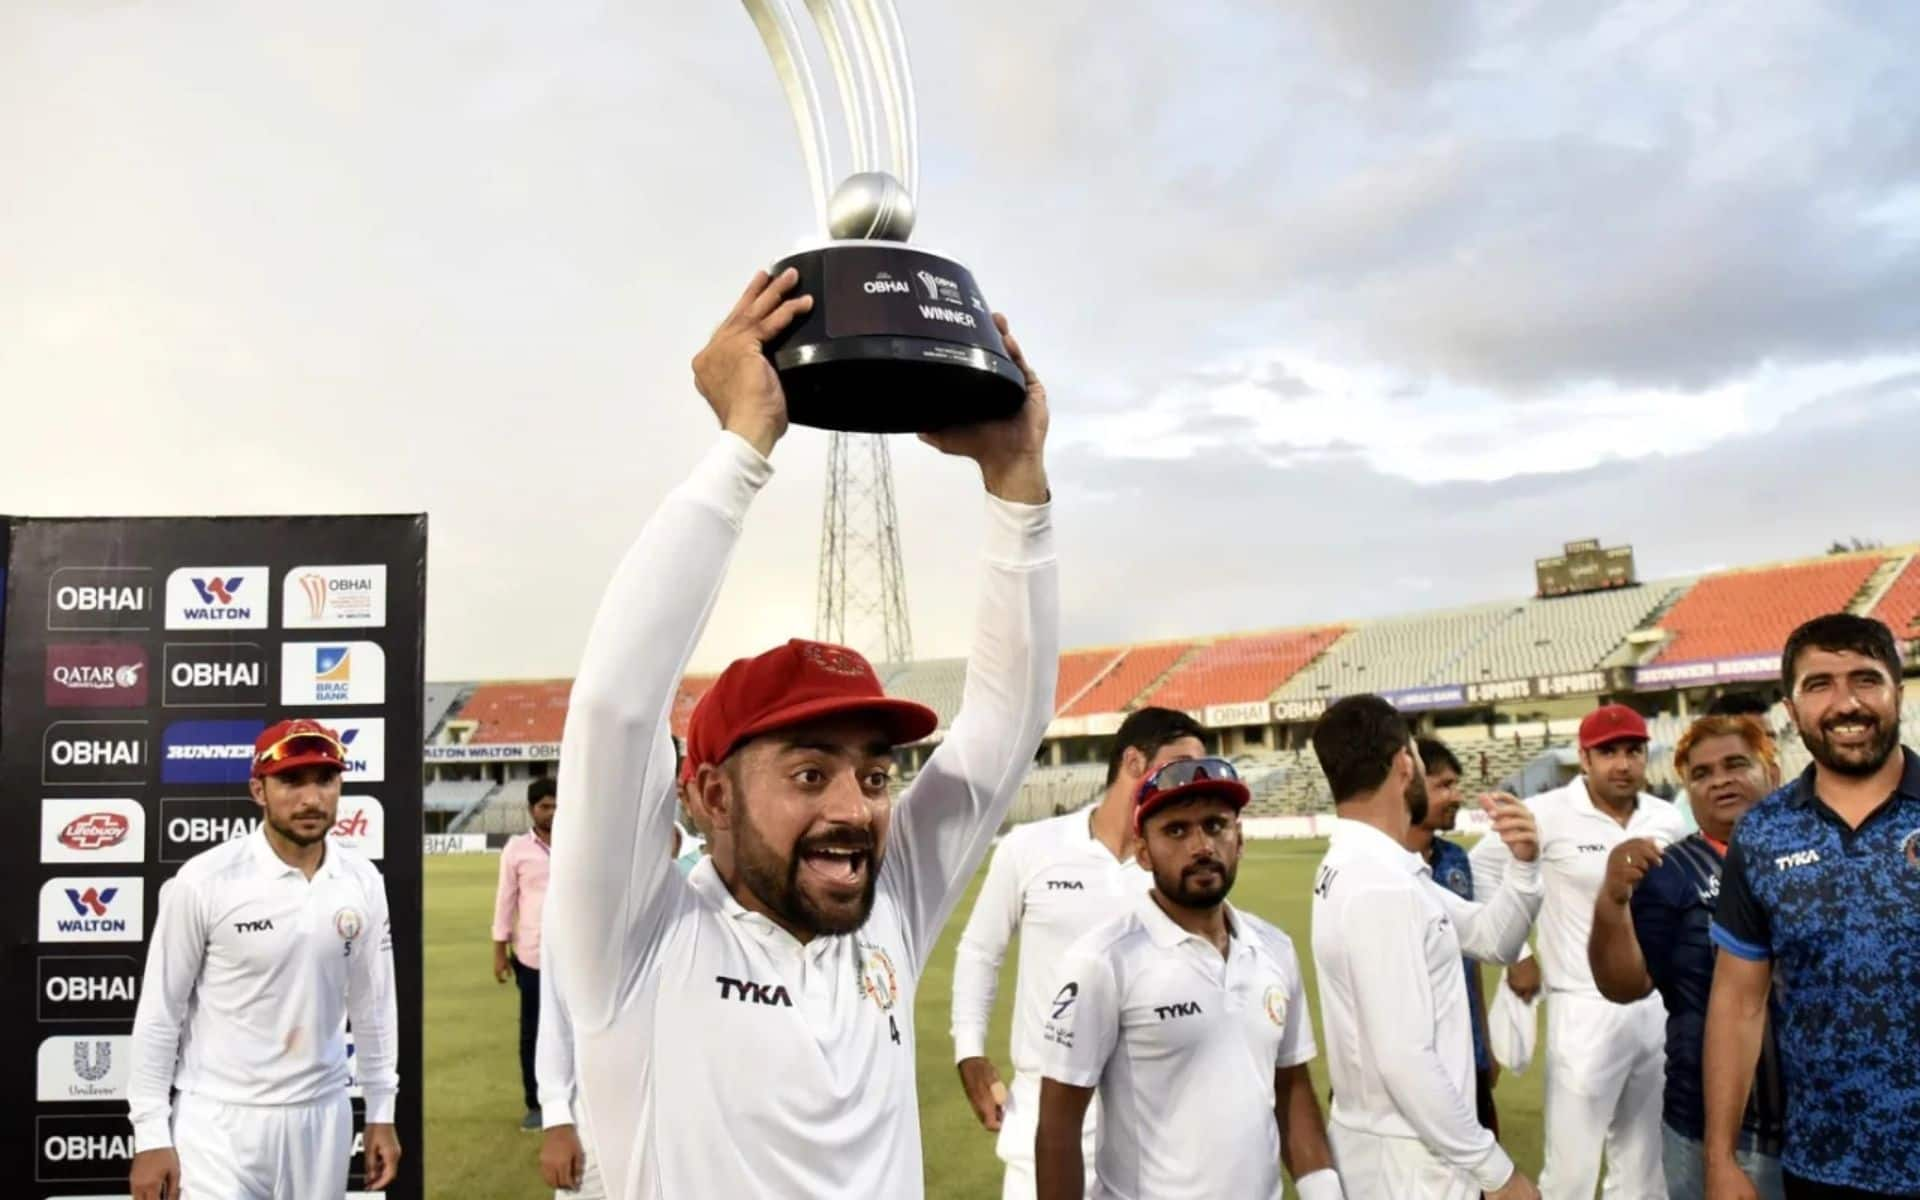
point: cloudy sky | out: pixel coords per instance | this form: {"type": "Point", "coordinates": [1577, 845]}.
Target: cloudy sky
{"type": "Point", "coordinates": [1347, 306]}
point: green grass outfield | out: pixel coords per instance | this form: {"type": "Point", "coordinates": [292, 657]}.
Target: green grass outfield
{"type": "Point", "coordinates": [475, 1151]}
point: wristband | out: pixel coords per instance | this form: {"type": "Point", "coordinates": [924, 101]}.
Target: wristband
{"type": "Point", "coordinates": [1323, 1184]}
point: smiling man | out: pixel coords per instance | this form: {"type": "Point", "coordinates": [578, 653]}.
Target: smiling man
{"type": "Point", "coordinates": [749, 1030]}
{"type": "Point", "coordinates": [1820, 905]}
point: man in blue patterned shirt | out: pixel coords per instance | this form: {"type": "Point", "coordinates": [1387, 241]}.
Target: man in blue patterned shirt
{"type": "Point", "coordinates": [1821, 896]}
{"type": "Point", "coordinates": [1452, 871]}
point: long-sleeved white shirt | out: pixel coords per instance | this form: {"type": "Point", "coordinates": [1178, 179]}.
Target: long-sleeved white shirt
{"type": "Point", "coordinates": [252, 975]}
{"type": "Point", "coordinates": [553, 1070]}
{"type": "Point", "coordinates": [718, 1055]}
{"type": "Point", "coordinates": [1575, 839]}
{"type": "Point", "coordinates": [1387, 942]}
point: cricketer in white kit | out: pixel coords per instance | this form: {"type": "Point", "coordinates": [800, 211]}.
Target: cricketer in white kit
{"type": "Point", "coordinates": [1051, 881]}
{"type": "Point", "coordinates": [1606, 1063]}
{"type": "Point", "coordinates": [262, 950]}
{"type": "Point", "coordinates": [748, 1031]}
{"type": "Point", "coordinates": [1387, 941]}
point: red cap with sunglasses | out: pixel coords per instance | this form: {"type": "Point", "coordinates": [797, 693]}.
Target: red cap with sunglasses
{"type": "Point", "coordinates": [1186, 777]}
{"type": "Point", "coordinates": [297, 743]}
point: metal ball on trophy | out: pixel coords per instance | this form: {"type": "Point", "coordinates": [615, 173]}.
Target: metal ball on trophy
{"type": "Point", "coordinates": [899, 339]}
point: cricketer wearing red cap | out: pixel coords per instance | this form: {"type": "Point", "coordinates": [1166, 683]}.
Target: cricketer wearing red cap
{"type": "Point", "coordinates": [749, 1030]}
{"type": "Point", "coordinates": [263, 948]}
{"type": "Point", "coordinates": [1606, 1062]}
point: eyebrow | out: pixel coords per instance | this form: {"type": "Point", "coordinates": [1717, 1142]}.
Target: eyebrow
{"type": "Point", "coordinates": [873, 749]}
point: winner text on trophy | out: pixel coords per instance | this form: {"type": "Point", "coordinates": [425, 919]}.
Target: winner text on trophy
{"type": "Point", "coordinates": [899, 340]}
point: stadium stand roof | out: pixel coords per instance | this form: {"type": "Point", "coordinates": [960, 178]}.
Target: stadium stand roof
{"type": "Point", "coordinates": [1900, 607]}
{"type": "Point", "coordinates": [1238, 669]}
{"type": "Point", "coordinates": [1752, 612]}
{"type": "Point", "coordinates": [1139, 668]}
{"type": "Point", "coordinates": [1563, 634]}
{"type": "Point", "coordinates": [1398, 652]}
{"type": "Point", "coordinates": [439, 700]}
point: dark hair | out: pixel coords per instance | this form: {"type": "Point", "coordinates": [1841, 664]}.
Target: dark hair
{"type": "Point", "coordinates": [1739, 704]}
{"type": "Point", "coordinates": [1147, 731]}
{"type": "Point", "coordinates": [1841, 631]}
{"type": "Point", "coordinates": [1435, 754]}
{"type": "Point", "coordinates": [541, 789]}
{"type": "Point", "coordinates": [1355, 741]}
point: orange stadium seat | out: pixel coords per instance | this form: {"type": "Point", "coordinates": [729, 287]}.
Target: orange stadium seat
{"type": "Point", "coordinates": [1900, 607]}
{"type": "Point", "coordinates": [1753, 612]}
{"type": "Point", "coordinates": [1236, 670]}
{"type": "Point", "coordinates": [1078, 668]}
{"type": "Point", "coordinates": [691, 689]}
{"type": "Point", "coordinates": [1139, 669]}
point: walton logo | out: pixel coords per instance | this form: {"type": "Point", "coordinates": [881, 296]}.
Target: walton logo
{"type": "Point", "coordinates": [1799, 858]}
{"type": "Point", "coordinates": [253, 926]}
{"type": "Point", "coordinates": [93, 1065]}
{"type": "Point", "coordinates": [95, 831]}
{"type": "Point", "coordinates": [747, 991]}
{"type": "Point", "coordinates": [1065, 885]}
{"type": "Point", "coordinates": [92, 901]}
{"type": "Point", "coordinates": [218, 591]}
{"type": "Point", "coordinates": [1184, 1008]}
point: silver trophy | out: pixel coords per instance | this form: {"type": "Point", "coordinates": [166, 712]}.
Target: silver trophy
{"type": "Point", "coordinates": [899, 339]}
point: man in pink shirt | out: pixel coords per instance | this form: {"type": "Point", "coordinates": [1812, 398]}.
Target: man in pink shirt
{"type": "Point", "coordinates": [517, 904]}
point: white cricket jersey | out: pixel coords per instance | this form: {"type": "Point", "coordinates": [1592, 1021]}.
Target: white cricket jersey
{"type": "Point", "coordinates": [1387, 942]}
{"type": "Point", "coordinates": [553, 1056]}
{"type": "Point", "coordinates": [251, 977]}
{"type": "Point", "coordinates": [1181, 1044]}
{"type": "Point", "coordinates": [1575, 839]}
{"type": "Point", "coordinates": [717, 1055]}
{"type": "Point", "coordinates": [1052, 881]}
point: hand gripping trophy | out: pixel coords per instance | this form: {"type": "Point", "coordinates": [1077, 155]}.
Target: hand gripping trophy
{"type": "Point", "coordinates": [899, 339]}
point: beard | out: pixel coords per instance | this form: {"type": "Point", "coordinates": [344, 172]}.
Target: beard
{"type": "Point", "coordinates": [1194, 887]}
{"type": "Point", "coordinates": [776, 880]}
{"type": "Point", "coordinates": [1856, 762]}
{"type": "Point", "coordinates": [291, 833]}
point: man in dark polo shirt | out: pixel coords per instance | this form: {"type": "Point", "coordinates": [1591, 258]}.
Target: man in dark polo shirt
{"type": "Point", "coordinates": [1650, 930]}
{"type": "Point", "coordinates": [1820, 896]}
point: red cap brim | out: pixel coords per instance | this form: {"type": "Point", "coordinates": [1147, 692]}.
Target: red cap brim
{"type": "Point", "coordinates": [905, 721]}
{"type": "Point", "coordinates": [1608, 739]}
{"type": "Point", "coordinates": [1230, 790]}
{"type": "Point", "coordinates": [312, 758]}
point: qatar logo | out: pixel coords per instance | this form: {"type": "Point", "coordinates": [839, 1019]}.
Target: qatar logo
{"type": "Point", "coordinates": [96, 675]}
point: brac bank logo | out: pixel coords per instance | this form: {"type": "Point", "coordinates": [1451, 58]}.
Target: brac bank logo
{"type": "Point", "coordinates": [332, 673]}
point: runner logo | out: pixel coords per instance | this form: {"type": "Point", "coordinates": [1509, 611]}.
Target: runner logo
{"type": "Point", "coordinates": [218, 598]}
{"type": "Point", "coordinates": [92, 831]}
{"type": "Point", "coordinates": [215, 675]}
{"type": "Point", "coordinates": [100, 598]}
{"type": "Point", "coordinates": [96, 675]}
{"type": "Point", "coordinates": [332, 673]}
{"type": "Point", "coordinates": [329, 597]}
{"type": "Point", "coordinates": [208, 751]}
{"type": "Point", "coordinates": [77, 753]}
{"type": "Point", "coordinates": [96, 908]}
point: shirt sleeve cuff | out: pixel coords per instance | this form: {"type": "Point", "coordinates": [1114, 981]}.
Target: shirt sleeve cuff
{"type": "Point", "coordinates": [152, 1133]}
{"type": "Point", "coordinates": [1737, 947]}
{"type": "Point", "coordinates": [554, 1114]}
{"type": "Point", "coordinates": [1494, 1170]}
{"type": "Point", "coordinates": [729, 477]}
{"type": "Point", "coordinates": [1019, 535]}
{"type": "Point", "coordinates": [1323, 1184]}
{"type": "Point", "coordinates": [380, 1105]}
{"type": "Point", "coordinates": [969, 1043]}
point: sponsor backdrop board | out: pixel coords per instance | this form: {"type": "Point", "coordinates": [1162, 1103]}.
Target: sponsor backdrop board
{"type": "Point", "coordinates": [141, 658]}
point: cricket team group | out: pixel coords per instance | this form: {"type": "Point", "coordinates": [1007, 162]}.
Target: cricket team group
{"type": "Point", "coordinates": [1732, 985]}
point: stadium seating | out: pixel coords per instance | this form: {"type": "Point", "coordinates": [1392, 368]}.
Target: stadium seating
{"type": "Point", "coordinates": [1753, 612]}
{"type": "Point", "coordinates": [1051, 790]}
{"type": "Point", "coordinates": [456, 795]}
{"type": "Point", "coordinates": [1399, 652]}
{"type": "Point", "coordinates": [525, 711]}
{"type": "Point", "coordinates": [1561, 635]}
{"type": "Point", "coordinates": [439, 701]}
{"type": "Point", "coordinates": [1139, 668]}
{"type": "Point", "coordinates": [691, 689]}
{"type": "Point", "coordinates": [1238, 669]}
{"type": "Point", "coordinates": [935, 682]}
{"type": "Point", "coordinates": [1900, 607]}
{"type": "Point", "coordinates": [1079, 670]}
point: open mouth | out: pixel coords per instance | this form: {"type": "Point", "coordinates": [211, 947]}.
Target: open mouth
{"type": "Point", "coordinates": [1852, 733]}
{"type": "Point", "coordinates": [840, 867]}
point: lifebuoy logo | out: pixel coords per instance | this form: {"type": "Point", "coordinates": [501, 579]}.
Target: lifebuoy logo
{"type": "Point", "coordinates": [96, 1148]}
{"type": "Point", "coordinates": [92, 908]}
{"type": "Point", "coordinates": [99, 598]}
{"type": "Point", "coordinates": [90, 1067]}
{"type": "Point", "coordinates": [331, 597]}
{"type": "Point", "coordinates": [92, 831]}
{"type": "Point", "coordinates": [218, 598]}
{"type": "Point", "coordinates": [96, 675]}
{"type": "Point", "coordinates": [103, 988]}
{"type": "Point", "coordinates": [81, 753]}
{"type": "Point", "coordinates": [214, 675]}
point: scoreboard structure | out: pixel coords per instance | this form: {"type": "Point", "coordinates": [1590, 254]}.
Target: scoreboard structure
{"type": "Point", "coordinates": [1585, 566]}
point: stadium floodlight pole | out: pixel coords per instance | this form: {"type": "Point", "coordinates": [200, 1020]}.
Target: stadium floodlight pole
{"type": "Point", "coordinates": [782, 39]}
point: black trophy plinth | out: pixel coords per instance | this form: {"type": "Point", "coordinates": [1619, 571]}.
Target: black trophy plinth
{"type": "Point", "coordinates": [898, 341]}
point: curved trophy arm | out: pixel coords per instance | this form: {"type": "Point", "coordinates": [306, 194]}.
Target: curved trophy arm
{"type": "Point", "coordinates": [851, 71]}
{"type": "Point", "coordinates": [886, 45]}
{"type": "Point", "coordinates": [789, 55]}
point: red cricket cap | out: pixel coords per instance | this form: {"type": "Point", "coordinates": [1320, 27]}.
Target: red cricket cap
{"type": "Point", "coordinates": [1611, 723]}
{"type": "Point", "coordinates": [1184, 777]}
{"type": "Point", "coordinates": [791, 684]}
{"type": "Point", "coordinates": [297, 743]}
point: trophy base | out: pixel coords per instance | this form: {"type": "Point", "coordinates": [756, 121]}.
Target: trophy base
{"type": "Point", "coordinates": [898, 340]}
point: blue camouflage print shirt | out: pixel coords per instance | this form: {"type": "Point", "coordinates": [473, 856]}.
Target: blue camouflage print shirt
{"type": "Point", "coordinates": [1837, 912]}
{"type": "Point", "coordinates": [1452, 871]}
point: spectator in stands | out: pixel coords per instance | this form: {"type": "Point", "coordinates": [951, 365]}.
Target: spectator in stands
{"type": "Point", "coordinates": [1650, 930]}
{"type": "Point", "coordinates": [1822, 887]}
{"type": "Point", "coordinates": [1387, 942]}
{"type": "Point", "coordinates": [1606, 1063]}
{"type": "Point", "coordinates": [1051, 881]}
{"type": "Point", "coordinates": [1451, 870]}
{"type": "Point", "coordinates": [518, 901]}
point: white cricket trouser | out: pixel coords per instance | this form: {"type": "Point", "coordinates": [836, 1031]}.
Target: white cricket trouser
{"type": "Point", "coordinates": [1018, 1124]}
{"type": "Point", "coordinates": [1606, 1072]}
{"type": "Point", "coordinates": [1373, 1167]}
{"type": "Point", "coordinates": [262, 1152]}
{"type": "Point", "coordinates": [590, 1186]}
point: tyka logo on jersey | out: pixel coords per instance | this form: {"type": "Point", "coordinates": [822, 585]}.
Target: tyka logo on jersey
{"type": "Point", "coordinates": [1178, 1009]}
{"type": "Point", "coordinates": [1799, 858]}
{"type": "Point", "coordinates": [1065, 885]}
{"type": "Point", "coordinates": [263, 926]}
{"type": "Point", "coordinates": [748, 992]}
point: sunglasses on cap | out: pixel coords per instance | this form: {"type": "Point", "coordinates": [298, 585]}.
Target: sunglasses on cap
{"type": "Point", "coordinates": [291, 744]}
{"type": "Point", "coordinates": [1183, 771]}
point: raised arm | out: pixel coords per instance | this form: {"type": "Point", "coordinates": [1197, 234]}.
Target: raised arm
{"type": "Point", "coordinates": [947, 819]}
{"type": "Point", "coordinates": [1496, 930]}
{"type": "Point", "coordinates": [976, 977]}
{"type": "Point", "coordinates": [613, 879]}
